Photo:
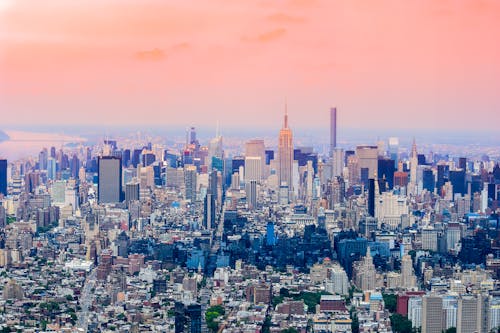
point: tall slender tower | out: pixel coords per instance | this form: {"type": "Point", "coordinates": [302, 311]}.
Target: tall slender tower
{"type": "Point", "coordinates": [333, 130]}
{"type": "Point", "coordinates": [285, 154]}
{"type": "Point", "coordinates": [413, 168]}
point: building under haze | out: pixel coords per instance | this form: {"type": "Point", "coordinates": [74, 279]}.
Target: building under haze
{"type": "Point", "coordinates": [394, 150]}
{"type": "Point", "coordinates": [255, 148]}
{"type": "Point", "coordinates": [333, 130]}
{"type": "Point", "coordinates": [413, 168]}
{"type": "Point", "coordinates": [368, 162]}
{"type": "Point", "coordinates": [285, 157]}
{"type": "Point", "coordinates": [110, 180]}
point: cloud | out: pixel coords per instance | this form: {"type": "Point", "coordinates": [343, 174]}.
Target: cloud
{"type": "Point", "coordinates": [271, 35]}
{"type": "Point", "coordinates": [268, 36]}
{"type": "Point", "coordinates": [180, 46]}
{"type": "Point", "coordinates": [151, 55]}
{"type": "Point", "coordinates": [285, 18]}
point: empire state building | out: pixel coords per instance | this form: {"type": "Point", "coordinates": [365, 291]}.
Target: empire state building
{"type": "Point", "coordinates": [285, 155]}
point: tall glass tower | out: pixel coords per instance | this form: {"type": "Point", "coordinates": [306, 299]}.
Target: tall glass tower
{"type": "Point", "coordinates": [333, 130]}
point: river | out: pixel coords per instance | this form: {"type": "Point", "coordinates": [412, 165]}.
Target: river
{"type": "Point", "coordinates": [23, 144]}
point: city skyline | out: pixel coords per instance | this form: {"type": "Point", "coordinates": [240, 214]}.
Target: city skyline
{"type": "Point", "coordinates": [272, 166]}
{"type": "Point", "coordinates": [409, 65]}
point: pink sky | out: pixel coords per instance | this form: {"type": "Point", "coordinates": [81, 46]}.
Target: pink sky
{"type": "Point", "coordinates": [412, 64]}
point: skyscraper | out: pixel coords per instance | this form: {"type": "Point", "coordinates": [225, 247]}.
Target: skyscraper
{"type": "Point", "coordinates": [462, 163]}
{"type": "Point", "coordinates": [394, 150]}
{"type": "Point", "coordinates": [191, 137]}
{"type": "Point", "coordinates": [193, 313]}
{"type": "Point", "coordinates": [251, 192]}
{"type": "Point", "coordinates": [368, 162]}
{"type": "Point", "coordinates": [413, 168]}
{"type": "Point", "coordinates": [110, 179]}
{"type": "Point", "coordinates": [215, 150]}
{"type": "Point", "coordinates": [338, 162]}
{"type": "Point", "coordinates": [147, 158]}
{"type": "Point", "coordinates": [3, 177]}
{"type": "Point", "coordinates": [386, 171]}
{"type": "Point", "coordinates": [333, 130]}
{"type": "Point", "coordinates": [457, 179]}
{"type": "Point", "coordinates": [74, 166]}
{"type": "Point", "coordinates": [42, 159]}
{"type": "Point", "coordinates": [256, 148]}
{"type": "Point", "coordinates": [131, 192]}
{"type": "Point", "coordinates": [428, 181]}
{"type": "Point", "coordinates": [471, 314]}
{"type": "Point", "coordinates": [3, 217]}
{"type": "Point", "coordinates": [51, 168]}
{"type": "Point", "coordinates": [126, 157]}
{"type": "Point", "coordinates": [270, 235]}
{"type": "Point", "coordinates": [187, 318]}
{"type": "Point", "coordinates": [443, 175]}
{"type": "Point", "coordinates": [190, 178]}
{"type": "Point", "coordinates": [253, 168]}
{"type": "Point", "coordinates": [136, 157]}
{"type": "Point", "coordinates": [365, 273]}
{"type": "Point", "coordinates": [209, 212]}
{"type": "Point", "coordinates": [285, 155]}
{"type": "Point", "coordinates": [432, 314]}
{"type": "Point", "coordinates": [371, 197]}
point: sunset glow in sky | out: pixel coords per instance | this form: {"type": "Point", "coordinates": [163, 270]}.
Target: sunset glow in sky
{"type": "Point", "coordinates": [410, 64]}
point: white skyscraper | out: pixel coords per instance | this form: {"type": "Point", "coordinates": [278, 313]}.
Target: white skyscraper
{"type": "Point", "coordinates": [256, 148]}
{"type": "Point", "coordinates": [340, 281]}
{"type": "Point", "coordinates": [253, 168]}
{"type": "Point", "coordinates": [389, 208]}
{"type": "Point", "coordinates": [415, 311]}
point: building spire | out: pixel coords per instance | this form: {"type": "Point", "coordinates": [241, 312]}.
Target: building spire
{"type": "Point", "coordinates": [414, 148]}
{"type": "Point", "coordinates": [286, 114]}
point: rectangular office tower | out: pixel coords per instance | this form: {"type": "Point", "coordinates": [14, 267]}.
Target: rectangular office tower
{"type": "Point", "coordinates": [432, 314]}
{"type": "Point", "coordinates": [132, 192]}
{"type": "Point", "coordinates": [3, 177]}
{"type": "Point", "coordinates": [110, 180]}
{"type": "Point", "coordinates": [333, 130]}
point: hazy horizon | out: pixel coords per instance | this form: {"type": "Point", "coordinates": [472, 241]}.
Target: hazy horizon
{"type": "Point", "coordinates": [205, 133]}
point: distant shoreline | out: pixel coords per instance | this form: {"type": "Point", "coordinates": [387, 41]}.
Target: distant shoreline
{"type": "Point", "coordinates": [19, 144]}
{"type": "Point", "coordinates": [3, 136]}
